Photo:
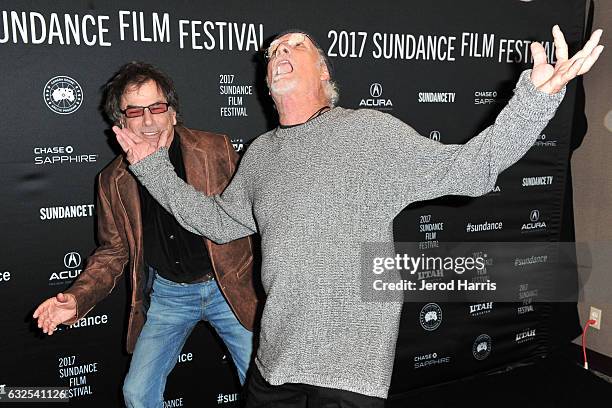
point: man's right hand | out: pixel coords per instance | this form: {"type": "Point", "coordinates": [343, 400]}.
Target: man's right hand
{"type": "Point", "coordinates": [54, 311]}
{"type": "Point", "coordinates": [136, 147]}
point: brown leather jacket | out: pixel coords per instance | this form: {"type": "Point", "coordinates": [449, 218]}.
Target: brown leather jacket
{"type": "Point", "coordinates": [210, 162]}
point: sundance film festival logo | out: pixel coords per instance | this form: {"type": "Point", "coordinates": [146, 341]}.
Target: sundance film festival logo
{"type": "Point", "coordinates": [376, 101]}
{"type": "Point", "coordinates": [535, 224]}
{"type": "Point", "coordinates": [482, 347]}
{"type": "Point", "coordinates": [72, 262]}
{"type": "Point", "coordinates": [521, 310]}
{"type": "Point", "coordinates": [63, 95]}
{"type": "Point", "coordinates": [430, 316]}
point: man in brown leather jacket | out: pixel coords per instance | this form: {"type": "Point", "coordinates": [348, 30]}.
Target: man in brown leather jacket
{"type": "Point", "coordinates": [189, 278]}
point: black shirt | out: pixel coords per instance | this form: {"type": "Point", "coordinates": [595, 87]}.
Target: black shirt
{"type": "Point", "coordinates": [176, 254]}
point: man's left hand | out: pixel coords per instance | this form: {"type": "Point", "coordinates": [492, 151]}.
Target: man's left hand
{"type": "Point", "coordinates": [551, 79]}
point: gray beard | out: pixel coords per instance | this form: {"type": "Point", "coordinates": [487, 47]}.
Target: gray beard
{"type": "Point", "coordinates": [282, 88]}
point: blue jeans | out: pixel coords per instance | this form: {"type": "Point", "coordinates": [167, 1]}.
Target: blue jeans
{"type": "Point", "coordinates": [175, 309]}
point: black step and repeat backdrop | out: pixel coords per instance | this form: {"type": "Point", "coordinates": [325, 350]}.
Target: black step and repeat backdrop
{"type": "Point", "coordinates": [444, 67]}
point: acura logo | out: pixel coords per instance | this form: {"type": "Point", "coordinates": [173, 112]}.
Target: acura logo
{"type": "Point", "coordinates": [72, 260]}
{"type": "Point", "coordinates": [376, 90]}
{"type": "Point", "coordinates": [434, 135]}
{"type": "Point", "coordinates": [534, 216]}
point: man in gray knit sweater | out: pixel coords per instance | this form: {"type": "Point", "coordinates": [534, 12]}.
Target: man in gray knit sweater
{"type": "Point", "coordinates": [318, 186]}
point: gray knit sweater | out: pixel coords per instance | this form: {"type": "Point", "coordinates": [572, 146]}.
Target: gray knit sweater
{"type": "Point", "coordinates": [315, 192]}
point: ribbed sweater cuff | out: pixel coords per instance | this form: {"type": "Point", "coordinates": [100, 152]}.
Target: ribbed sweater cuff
{"type": "Point", "coordinates": [533, 104]}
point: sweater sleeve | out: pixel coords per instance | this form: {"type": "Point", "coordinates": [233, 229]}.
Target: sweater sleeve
{"type": "Point", "coordinates": [220, 218]}
{"type": "Point", "coordinates": [415, 168]}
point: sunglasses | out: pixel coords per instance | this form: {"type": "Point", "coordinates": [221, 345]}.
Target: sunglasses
{"type": "Point", "coordinates": [136, 111]}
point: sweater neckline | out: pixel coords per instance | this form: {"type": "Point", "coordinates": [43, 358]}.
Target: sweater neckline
{"type": "Point", "coordinates": [309, 125]}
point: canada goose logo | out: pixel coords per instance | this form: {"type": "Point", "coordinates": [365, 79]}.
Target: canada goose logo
{"type": "Point", "coordinates": [430, 316]}
{"type": "Point", "coordinates": [63, 95]}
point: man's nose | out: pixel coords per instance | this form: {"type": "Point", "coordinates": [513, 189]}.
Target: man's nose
{"type": "Point", "coordinates": [147, 117]}
{"type": "Point", "coordinates": [283, 48]}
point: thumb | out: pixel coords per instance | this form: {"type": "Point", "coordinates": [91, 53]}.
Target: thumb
{"type": "Point", "coordinates": [61, 298]}
{"type": "Point", "coordinates": [538, 53]}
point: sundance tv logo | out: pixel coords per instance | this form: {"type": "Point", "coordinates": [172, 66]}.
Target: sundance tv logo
{"type": "Point", "coordinates": [66, 211]}
{"type": "Point", "coordinates": [72, 263]}
{"type": "Point", "coordinates": [376, 101]}
{"type": "Point", "coordinates": [63, 95]}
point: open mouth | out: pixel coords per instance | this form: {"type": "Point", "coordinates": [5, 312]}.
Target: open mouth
{"type": "Point", "coordinates": [151, 133]}
{"type": "Point", "coordinates": [283, 67]}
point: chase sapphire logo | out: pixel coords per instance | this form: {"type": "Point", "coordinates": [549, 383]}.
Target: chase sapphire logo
{"type": "Point", "coordinates": [63, 95]}
{"type": "Point", "coordinates": [482, 347]}
{"type": "Point", "coordinates": [430, 316]}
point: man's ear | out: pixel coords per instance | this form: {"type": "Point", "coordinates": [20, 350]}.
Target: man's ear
{"type": "Point", "coordinates": [173, 117]}
{"type": "Point", "coordinates": [324, 73]}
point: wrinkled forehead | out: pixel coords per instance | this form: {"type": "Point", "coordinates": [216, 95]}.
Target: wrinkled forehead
{"type": "Point", "coordinates": [144, 84]}
{"type": "Point", "coordinates": [149, 89]}
{"type": "Point", "coordinates": [294, 36]}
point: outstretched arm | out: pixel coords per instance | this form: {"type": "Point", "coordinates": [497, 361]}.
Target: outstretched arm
{"type": "Point", "coordinates": [221, 218]}
{"type": "Point", "coordinates": [423, 169]}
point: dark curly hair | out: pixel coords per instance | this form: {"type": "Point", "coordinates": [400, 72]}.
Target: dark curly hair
{"type": "Point", "coordinates": [137, 73]}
